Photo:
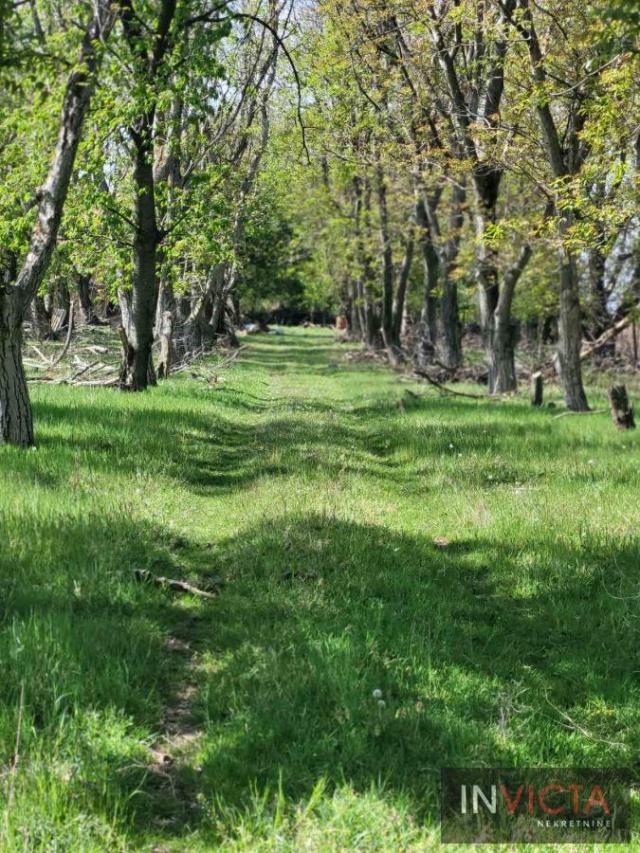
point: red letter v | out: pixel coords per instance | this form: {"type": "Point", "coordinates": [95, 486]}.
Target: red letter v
{"type": "Point", "coordinates": [511, 805]}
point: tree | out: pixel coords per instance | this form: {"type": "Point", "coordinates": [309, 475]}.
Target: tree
{"type": "Point", "coordinates": [16, 423]}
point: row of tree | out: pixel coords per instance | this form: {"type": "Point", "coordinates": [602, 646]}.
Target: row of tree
{"type": "Point", "coordinates": [500, 137]}
{"type": "Point", "coordinates": [419, 160]}
{"type": "Point", "coordinates": [160, 109]}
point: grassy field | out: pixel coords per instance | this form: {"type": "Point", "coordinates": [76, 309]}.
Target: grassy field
{"type": "Point", "coordinates": [147, 720]}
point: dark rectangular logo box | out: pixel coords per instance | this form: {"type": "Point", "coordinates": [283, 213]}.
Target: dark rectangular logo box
{"type": "Point", "coordinates": [535, 805]}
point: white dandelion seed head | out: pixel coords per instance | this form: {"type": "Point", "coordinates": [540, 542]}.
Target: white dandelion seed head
{"type": "Point", "coordinates": [377, 693]}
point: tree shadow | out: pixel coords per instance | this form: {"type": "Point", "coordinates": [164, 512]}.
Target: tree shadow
{"type": "Point", "coordinates": [85, 644]}
{"type": "Point", "coordinates": [477, 659]}
{"type": "Point", "coordinates": [212, 449]}
{"type": "Point", "coordinates": [481, 654]}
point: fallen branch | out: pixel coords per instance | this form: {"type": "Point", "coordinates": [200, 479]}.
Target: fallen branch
{"type": "Point", "coordinates": [35, 365]}
{"type": "Point", "coordinates": [188, 360]}
{"type": "Point", "coordinates": [446, 390]}
{"type": "Point", "coordinates": [574, 726]}
{"type": "Point", "coordinates": [587, 351]}
{"type": "Point", "coordinates": [145, 576]}
{"type": "Point", "coordinates": [46, 362]}
{"type": "Point", "coordinates": [610, 334]}
{"type": "Point", "coordinates": [83, 370]}
{"type": "Point", "coordinates": [98, 383]}
{"type": "Point", "coordinates": [70, 380]}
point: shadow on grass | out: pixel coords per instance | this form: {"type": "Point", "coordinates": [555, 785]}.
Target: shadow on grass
{"type": "Point", "coordinates": [224, 439]}
{"type": "Point", "coordinates": [318, 613]}
{"type": "Point", "coordinates": [485, 653]}
{"type": "Point", "coordinates": [86, 644]}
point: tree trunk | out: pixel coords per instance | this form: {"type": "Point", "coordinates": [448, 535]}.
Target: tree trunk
{"type": "Point", "coordinates": [569, 322]}
{"type": "Point", "coordinates": [487, 185]}
{"type": "Point", "coordinates": [63, 299]}
{"type": "Point", "coordinates": [166, 346]}
{"type": "Point", "coordinates": [16, 426]}
{"type": "Point", "coordinates": [401, 293]}
{"type": "Point", "coordinates": [235, 312]}
{"type": "Point", "coordinates": [87, 313]}
{"type": "Point", "coordinates": [387, 266]}
{"type": "Point", "coordinates": [369, 319]}
{"type": "Point", "coordinates": [16, 423]}
{"type": "Point", "coordinates": [504, 331]}
{"type": "Point", "coordinates": [356, 329]}
{"type": "Point", "coordinates": [41, 319]}
{"type": "Point", "coordinates": [597, 292]}
{"type": "Point", "coordinates": [428, 328]}
{"type": "Point", "coordinates": [372, 321]}
{"type": "Point", "coordinates": [503, 339]}
{"type": "Point", "coordinates": [138, 368]}
{"type": "Point", "coordinates": [451, 338]}
{"type": "Point", "coordinates": [219, 298]}
{"type": "Point", "coordinates": [198, 329]}
{"type": "Point", "coordinates": [570, 335]}
{"type": "Point", "coordinates": [166, 302]}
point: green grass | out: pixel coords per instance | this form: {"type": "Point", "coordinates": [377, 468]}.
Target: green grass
{"type": "Point", "coordinates": [301, 483]}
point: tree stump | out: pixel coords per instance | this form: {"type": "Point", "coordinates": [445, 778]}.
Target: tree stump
{"type": "Point", "coordinates": [537, 389]}
{"type": "Point", "coordinates": [621, 409]}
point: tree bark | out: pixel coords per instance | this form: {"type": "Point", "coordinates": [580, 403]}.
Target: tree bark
{"type": "Point", "coordinates": [450, 345]}
{"type": "Point", "coordinates": [401, 292]}
{"type": "Point", "coordinates": [87, 312]}
{"type": "Point", "coordinates": [487, 183]}
{"type": "Point", "coordinates": [198, 330]}
{"type": "Point", "coordinates": [428, 328]}
{"type": "Point", "coordinates": [148, 55]}
{"type": "Point", "coordinates": [451, 339]}
{"type": "Point", "coordinates": [570, 335]}
{"type": "Point", "coordinates": [16, 422]}
{"type": "Point", "coordinates": [166, 302]}
{"type": "Point", "coordinates": [356, 329]}
{"type": "Point", "coordinates": [218, 299]}
{"type": "Point", "coordinates": [138, 367]}
{"type": "Point", "coordinates": [599, 318]}
{"type": "Point", "coordinates": [504, 336]}
{"type": "Point", "coordinates": [386, 328]}
{"type": "Point", "coordinates": [504, 331]}
{"type": "Point", "coordinates": [41, 319]}
{"type": "Point", "coordinates": [166, 346]}
{"type": "Point", "coordinates": [370, 320]}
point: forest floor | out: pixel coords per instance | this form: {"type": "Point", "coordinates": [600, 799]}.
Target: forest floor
{"type": "Point", "coordinates": [476, 562]}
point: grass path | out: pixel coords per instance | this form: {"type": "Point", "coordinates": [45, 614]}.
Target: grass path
{"type": "Point", "coordinates": [155, 721]}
